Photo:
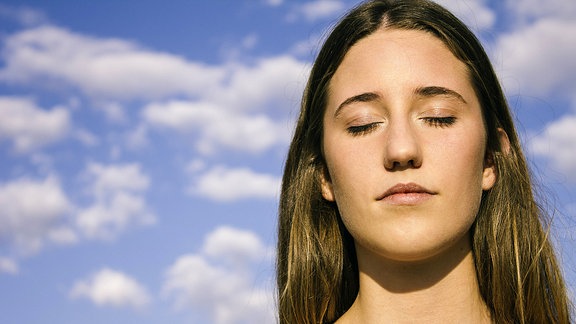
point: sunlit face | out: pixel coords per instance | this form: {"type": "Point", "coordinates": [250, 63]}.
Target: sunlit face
{"type": "Point", "coordinates": [404, 143]}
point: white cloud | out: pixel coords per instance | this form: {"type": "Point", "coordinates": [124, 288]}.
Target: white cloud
{"type": "Point", "coordinates": [8, 266]}
{"type": "Point", "coordinates": [218, 127]}
{"type": "Point", "coordinates": [37, 212]}
{"type": "Point", "coordinates": [226, 292]}
{"type": "Point", "coordinates": [107, 218]}
{"type": "Point", "coordinates": [558, 143]}
{"type": "Point", "coordinates": [234, 246]}
{"type": "Point", "coordinates": [540, 58]}
{"type": "Point", "coordinates": [108, 287]}
{"type": "Point", "coordinates": [317, 9]}
{"type": "Point", "coordinates": [224, 184]}
{"type": "Point", "coordinates": [112, 69]}
{"type": "Point", "coordinates": [34, 213]}
{"type": "Point", "coordinates": [119, 202]}
{"type": "Point", "coordinates": [271, 83]}
{"type": "Point", "coordinates": [116, 177]}
{"type": "Point", "coordinates": [104, 68]}
{"type": "Point", "coordinates": [29, 126]}
{"type": "Point", "coordinates": [474, 13]}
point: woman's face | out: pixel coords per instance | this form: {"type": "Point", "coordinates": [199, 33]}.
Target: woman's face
{"type": "Point", "coordinates": [404, 144]}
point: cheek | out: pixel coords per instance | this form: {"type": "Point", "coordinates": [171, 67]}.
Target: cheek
{"type": "Point", "coordinates": [348, 160]}
{"type": "Point", "coordinates": [351, 166]}
{"type": "Point", "coordinates": [464, 149]}
{"type": "Point", "coordinates": [463, 158]}
{"type": "Point", "coordinates": [345, 173]}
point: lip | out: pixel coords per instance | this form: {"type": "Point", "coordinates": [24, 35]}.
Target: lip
{"type": "Point", "coordinates": [406, 194]}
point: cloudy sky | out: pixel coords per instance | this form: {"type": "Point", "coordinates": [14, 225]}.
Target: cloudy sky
{"type": "Point", "coordinates": [141, 146]}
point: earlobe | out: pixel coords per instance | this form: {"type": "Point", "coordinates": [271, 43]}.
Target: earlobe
{"type": "Point", "coordinates": [326, 183]}
{"type": "Point", "coordinates": [489, 176]}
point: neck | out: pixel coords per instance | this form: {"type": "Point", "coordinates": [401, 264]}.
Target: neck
{"type": "Point", "coordinates": [441, 290]}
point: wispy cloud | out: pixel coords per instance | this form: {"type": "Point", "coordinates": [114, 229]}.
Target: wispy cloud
{"type": "Point", "coordinates": [234, 246]}
{"type": "Point", "coordinates": [101, 68]}
{"type": "Point", "coordinates": [215, 283]}
{"type": "Point", "coordinates": [229, 184]}
{"type": "Point", "coordinates": [119, 203]}
{"type": "Point", "coordinates": [115, 69]}
{"type": "Point", "coordinates": [37, 212]}
{"type": "Point", "coordinates": [316, 10]}
{"type": "Point", "coordinates": [23, 15]}
{"type": "Point", "coordinates": [558, 144]}
{"type": "Point", "coordinates": [217, 128]}
{"type": "Point", "coordinates": [8, 265]}
{"type": "Point", "coordinates": [33, 213]}
{"type": "Point", "coordinates": [273, 3]}
{"type": "Point", "coordinates": [111, 288]}
{"type": "Point", "coordinates": [29, 126]}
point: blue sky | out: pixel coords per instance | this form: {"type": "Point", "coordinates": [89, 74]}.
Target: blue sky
{"type": "Point", "coordinates": [141, 146]}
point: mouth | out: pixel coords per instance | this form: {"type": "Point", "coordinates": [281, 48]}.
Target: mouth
{"type": "Point", "coordinates": [406, 194]}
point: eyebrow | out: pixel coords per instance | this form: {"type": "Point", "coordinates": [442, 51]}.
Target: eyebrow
{"type": "Point", "coordinates": [434, 91]}
{"type": "Point", "coordinates": [363, 97]}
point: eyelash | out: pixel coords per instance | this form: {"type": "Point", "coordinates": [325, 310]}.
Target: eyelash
{"type": "Point", "coordinates": [439, 121]}
{"type": "Point", "coordinates": [362, 129]}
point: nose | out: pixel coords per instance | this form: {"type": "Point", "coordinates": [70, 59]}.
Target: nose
{"type": "Point", "coordinates": [403, 149]}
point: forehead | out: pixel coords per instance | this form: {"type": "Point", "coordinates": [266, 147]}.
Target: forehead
{"type": "Point", "coordinates": [394, 58]}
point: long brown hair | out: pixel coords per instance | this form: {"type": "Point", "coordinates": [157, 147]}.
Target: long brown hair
{"type": "Point", "coordinates": [317, 273]}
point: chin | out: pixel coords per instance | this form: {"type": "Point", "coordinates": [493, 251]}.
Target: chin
{"type": "Point", "coordinates": [417, 250]}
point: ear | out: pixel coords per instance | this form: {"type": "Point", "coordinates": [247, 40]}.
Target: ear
{"type": "Point", "coordinates": [326, 184]}
{"type": "Point", "coordinates": [490, 174]}
{"type": "Point", "coordinates": [504, 141]}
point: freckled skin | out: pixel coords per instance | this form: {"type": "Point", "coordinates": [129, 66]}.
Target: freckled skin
{"type": "Point", "coordinates": [437, 141]}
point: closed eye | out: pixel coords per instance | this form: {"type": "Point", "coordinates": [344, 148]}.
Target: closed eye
{"type": "Point", "coordinates": [439, 121]}
{"type": "Point", "coordinates": [362, 129]}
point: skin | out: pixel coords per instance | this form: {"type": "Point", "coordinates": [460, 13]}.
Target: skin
{"type": "Point", "coordinates": [401, 110]}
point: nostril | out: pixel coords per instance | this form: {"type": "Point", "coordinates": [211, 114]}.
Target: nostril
{"type": "Point", "coordinates": [400, 165]}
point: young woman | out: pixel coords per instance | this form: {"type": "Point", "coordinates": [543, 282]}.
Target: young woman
{"type": "Point", "coordinates": [406, 196]}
